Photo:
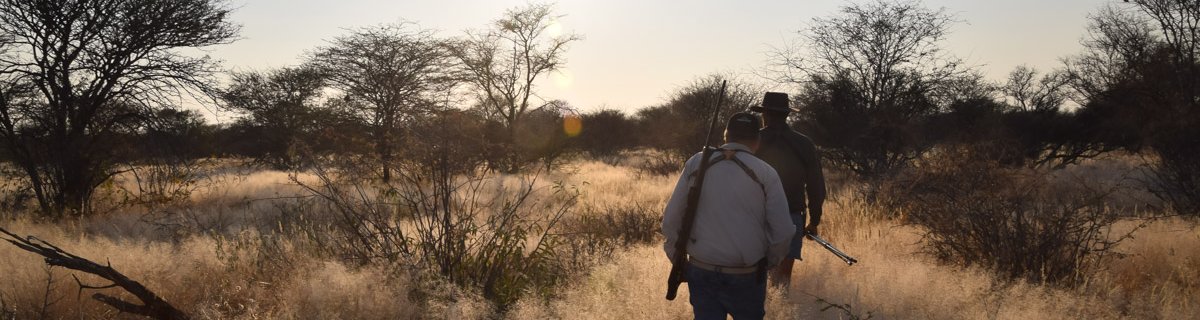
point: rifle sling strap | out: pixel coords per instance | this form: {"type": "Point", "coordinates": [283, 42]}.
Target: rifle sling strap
{"type": "Point", "coordinates": [761, 265]}
{"type": "Point", "coordinates": [739, 163]}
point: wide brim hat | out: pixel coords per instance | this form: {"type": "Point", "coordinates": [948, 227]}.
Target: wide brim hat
{"type": "Point", "coordinates": [774, 102]}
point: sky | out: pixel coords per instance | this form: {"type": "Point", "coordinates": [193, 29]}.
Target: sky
{"type": "Point", "coordinates": [636, 53]}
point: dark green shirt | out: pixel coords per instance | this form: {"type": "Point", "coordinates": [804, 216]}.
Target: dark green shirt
{"type": "Point", "coordinates": [795, 158]}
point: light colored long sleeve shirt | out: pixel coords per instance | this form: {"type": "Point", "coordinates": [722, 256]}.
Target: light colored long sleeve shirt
{"type": "Point", "coordinates": [738, 221]}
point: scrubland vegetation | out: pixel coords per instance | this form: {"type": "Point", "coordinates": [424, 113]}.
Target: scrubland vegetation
{"type": "Point", "coordinates": [397, 173]}
{"type": "Point", "coordinates": [244, 248]}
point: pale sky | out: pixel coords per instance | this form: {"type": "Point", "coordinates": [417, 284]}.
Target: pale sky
{"type": "Point", "coordinates": [635, 53]}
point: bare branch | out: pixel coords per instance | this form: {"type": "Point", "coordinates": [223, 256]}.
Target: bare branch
{"type": "Point", "coordinates": [152, 305]}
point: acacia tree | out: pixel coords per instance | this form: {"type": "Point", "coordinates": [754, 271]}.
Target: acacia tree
{"type": "Point", "coordinates": [1178, 24]}
{"type": "Point", "coordinates": [1026, 91]}
{"type": "Point", "coordinates": [85, 69]}
{"type": "Point", "coordinates": [1116, 40]}
{"type": "Point", "coordinates": [502, 63]}
{"type": "Point", "coordinates": [1035, 126]}
{"type": "Point", "coordinates": [681, 125]}
{"type": "Point", "coordinates": [389, 75]}
{"type": "Point", "coordinates": [281, 104]}
{"type": "Point", "coordinates": [1137, 84]}
{"type": "Point", "coordinates": [870, 75]}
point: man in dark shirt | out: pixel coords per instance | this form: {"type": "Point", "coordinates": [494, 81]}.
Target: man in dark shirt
{"type": "Point", "coordinates": [795, 158]}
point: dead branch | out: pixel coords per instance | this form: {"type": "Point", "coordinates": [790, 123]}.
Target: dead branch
{"type": "Point", "coordinates": [152, 305]}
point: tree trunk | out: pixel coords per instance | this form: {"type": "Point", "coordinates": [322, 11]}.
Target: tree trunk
{"type": "Point", "coordinates": [79, 176]}
{"type": "Point", "coordinates": [515, 156]}
{"type": "Point", "coordinates": [383, 146]}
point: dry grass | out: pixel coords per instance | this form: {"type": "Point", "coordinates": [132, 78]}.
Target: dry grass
{"type": "Point", "coordinates": [247, 271]}
{"type": "Point", "coordinates": [225, 278]}
{"type": "Point", "coordinates": [605, 184]}
{"type": "Point", "coordinates": [1159, 280]}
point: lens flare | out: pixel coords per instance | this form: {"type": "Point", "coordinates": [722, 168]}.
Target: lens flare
{"type": "Point", "coordinates": [572, 125]}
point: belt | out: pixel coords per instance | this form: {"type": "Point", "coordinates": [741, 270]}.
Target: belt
{"type": "Point", "coordinates": [723, 269]}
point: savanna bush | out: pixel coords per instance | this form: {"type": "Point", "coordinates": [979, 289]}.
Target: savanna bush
{"type": "Point", "coordinates": [627, 224]}
{"type": "Point", "coordinates": [599, 231]}
{"type": "Point", "coordinates": [1021, 223]}
{"type": "Point", "coordinates": [449, 219]}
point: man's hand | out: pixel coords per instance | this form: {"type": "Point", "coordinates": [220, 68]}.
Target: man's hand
{"type": "Point", "coordinates": [811, 229]}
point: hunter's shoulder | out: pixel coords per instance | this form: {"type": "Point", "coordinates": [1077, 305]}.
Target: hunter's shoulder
{"type": "Point", "coordinates": [695, 157]}
{"type": "Point", "coordinates": [757, 164]}
{"type": "Point", "coordinates": [773, 135]}
{"type": "Point", "coordinates": [763, 166]}
{"type": "Point", "coordinates": [799, 137]}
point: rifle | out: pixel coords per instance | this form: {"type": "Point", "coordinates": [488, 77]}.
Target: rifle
{"type": "Point", "coordinates": [847, 258]}
{"type": "Point", "coordinates": [680, 260]}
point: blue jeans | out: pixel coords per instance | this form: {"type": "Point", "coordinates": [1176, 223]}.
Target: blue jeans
{"type": "Point", "coordinates": [713, 295]}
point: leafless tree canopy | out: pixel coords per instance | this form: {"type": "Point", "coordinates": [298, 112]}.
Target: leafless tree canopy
{"type": "Point", "coordinates": [1116, 40]}
{"type": "Point", "coordinates": [503, 62]}
{"type": "Point", "coordinates": [1027, 92]}
{"type": "Point", "coordinates": [389, 74]}
{"type": "Point", "coordinates": [1136, 81]}
{"type": "Point", "coordinates": [1179, 21]}
{"type": "Point", "coordinates": [84, 68]}
{"type": "Point", "coordinates": [86, 53]}
{"type": "Point", "coordinates": [869, 76]}
{"type": "Point", "coordinates": [878, 46]}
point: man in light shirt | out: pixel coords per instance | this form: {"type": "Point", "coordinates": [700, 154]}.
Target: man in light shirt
{"type": "Point", "coordinates": [741, 228]}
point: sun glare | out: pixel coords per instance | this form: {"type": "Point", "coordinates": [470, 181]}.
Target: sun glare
{"type": "Point", "coordinates": [572, 125]}
{"type": "Point", "coordinates": [554, 29]}
{"type": "Point", "coordinates": [563, 78]}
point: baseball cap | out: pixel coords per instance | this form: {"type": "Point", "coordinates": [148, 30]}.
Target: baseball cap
{"type": "Point", "coordinates": [742, 125]}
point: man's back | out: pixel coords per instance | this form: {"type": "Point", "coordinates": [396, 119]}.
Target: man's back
{"type": "Point", "coordinates": [733, 211]}
{"type": "Point", "coordinates": [739, 227]}
{"type": "Point", "coordinates": [795, 159]}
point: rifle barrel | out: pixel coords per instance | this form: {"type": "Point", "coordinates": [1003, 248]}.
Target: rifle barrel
{"type": "Point", "coordinates": [679, 261]}
{"type": "Point", "coordinates": [828, 246]}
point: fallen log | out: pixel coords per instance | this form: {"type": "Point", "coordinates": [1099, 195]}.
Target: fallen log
{"type": "Point", "coordinates": [152, 305]}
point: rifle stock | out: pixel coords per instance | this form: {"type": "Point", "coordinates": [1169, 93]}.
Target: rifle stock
{"type": "Point", "coordinates": [680, 260]}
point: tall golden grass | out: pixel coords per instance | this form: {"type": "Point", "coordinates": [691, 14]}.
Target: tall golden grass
{"type": "Point", "coordinates": [247, 270]}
